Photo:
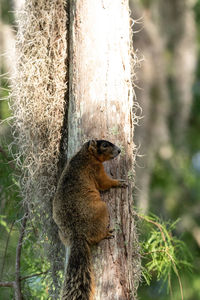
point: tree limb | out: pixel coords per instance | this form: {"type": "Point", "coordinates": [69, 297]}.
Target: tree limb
{"type": "Point", "coordinates": [18, 293]}
{"type": "Point", "coordinates": [6, 248]}
{"type": "Point", "coordinates": [14, 285]}
{"type": "Point", "coordinates": [33, 275]}
{"type": "Point", "coordinates": [7, 284]}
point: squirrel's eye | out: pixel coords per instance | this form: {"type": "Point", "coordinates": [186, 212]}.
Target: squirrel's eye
{"type": "Point", "coordinates": [105, 145]}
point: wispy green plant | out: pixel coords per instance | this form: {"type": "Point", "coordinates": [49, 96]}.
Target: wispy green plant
{"type": "Point", "coordinates": [162, 253]}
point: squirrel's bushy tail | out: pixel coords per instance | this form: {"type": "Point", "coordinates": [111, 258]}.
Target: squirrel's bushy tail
{"type": "Point", "coordinates": [78, 282]}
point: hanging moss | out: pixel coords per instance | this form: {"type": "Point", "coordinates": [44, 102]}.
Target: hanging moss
{"type": "Point", "coordinates": [39, 87]}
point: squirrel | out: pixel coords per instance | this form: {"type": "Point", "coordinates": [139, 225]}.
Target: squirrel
{"type": "Point", "coordinates": [80, 214]}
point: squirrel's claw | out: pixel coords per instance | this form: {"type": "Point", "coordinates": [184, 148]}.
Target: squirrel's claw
{"type": "Point", "coordinates": [110, 234]}
{"type": "Point", "coordinates": [123, 183]}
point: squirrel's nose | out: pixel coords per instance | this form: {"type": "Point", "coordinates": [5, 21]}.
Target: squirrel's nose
{"type": "Point", "coordinates": [118, 150]}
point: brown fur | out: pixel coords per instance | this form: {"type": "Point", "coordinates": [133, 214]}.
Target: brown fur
{"type": "Point", "coordinates": [82, 217]}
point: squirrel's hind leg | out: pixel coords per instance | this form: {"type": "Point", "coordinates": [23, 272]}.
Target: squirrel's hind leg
{"type": "Point", "coordinates": [99, 229]}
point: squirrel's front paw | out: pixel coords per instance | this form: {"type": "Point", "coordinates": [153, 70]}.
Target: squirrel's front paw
{"type": "Point", "coordinates": [123, 183]}
{"type": "Point", "coordinates": [110, 234]}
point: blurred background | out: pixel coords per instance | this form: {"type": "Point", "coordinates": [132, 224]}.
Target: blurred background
{"type": "Point", "coordinates": [166, 38]}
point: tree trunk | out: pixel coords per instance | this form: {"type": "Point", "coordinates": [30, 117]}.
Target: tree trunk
{"type": "Point", "coordinates": [101, 106]}
{"type": "Point", "coordinates": [166, 38]}
{"type": "Point", "coordinates": [181, 38]}
{"type": "Point", "coordinates": [153, 95]}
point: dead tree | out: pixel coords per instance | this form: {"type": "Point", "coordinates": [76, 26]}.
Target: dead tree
{"type": "Point", "coordinates": [101, 106]}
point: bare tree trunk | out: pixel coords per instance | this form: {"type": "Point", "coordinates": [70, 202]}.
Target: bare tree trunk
{"type": "Point", "coordinates": [181, 38]}
{"type": "Point", "coordinates": [100, 106]}
{"type": "Point", "coordinates": [152, 134]}
{"type": "Point", "coordinates": [166, 27]}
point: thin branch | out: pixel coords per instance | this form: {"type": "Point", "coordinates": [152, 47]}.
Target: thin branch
{"type": "Point", "coordinates": [154, 223]}
{"type": "Point", "coordinates": [177, 274]}
{"type": "Point", "coordinates": [166, 250]}
{"type": "Point", "coordinates": [155, 251]}
{"type": "Point", "coordinates": [13, 284]}
{"type": "Point", "coordinates": [7, 284]}
{"type": "Point", "coordinates": [18, 293]}
{"type": "Point", "coordinates": [16, 285]}
{"type": "Point", "coordinates": [6, 248]}
{"type": "Point", "coordinates": [33, 275]}
{"type": "Point", "coordinates": [170, 286]}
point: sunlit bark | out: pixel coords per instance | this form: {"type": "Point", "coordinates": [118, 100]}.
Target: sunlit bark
{"type": "Point", "coordinates": [100, 106]}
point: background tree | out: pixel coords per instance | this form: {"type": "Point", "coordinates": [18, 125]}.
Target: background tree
{"type": "Point", "coordinates": [168, 44]}
{"type": "Point", "coordinates": [101, 105]}
{"type": "Point", "coordinates": [167, 176]}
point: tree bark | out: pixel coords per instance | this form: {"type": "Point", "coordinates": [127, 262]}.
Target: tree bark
{"type": "Point", "coordinates": [101, 106]}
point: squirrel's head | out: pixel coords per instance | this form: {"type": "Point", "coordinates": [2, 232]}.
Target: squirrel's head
{"type": "Point", "coordinates": [103, 150]}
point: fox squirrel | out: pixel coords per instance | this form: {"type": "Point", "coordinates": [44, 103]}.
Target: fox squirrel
{"type": "Point", "coordinates": [82, 217]}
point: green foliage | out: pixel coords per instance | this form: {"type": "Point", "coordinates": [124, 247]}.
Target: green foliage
{"type": "Point", "coordinates": [33, 258]}
{"type": "Point", "coordinates": [163, 253]}
{"type": "Point", "coordinates": [175, 184]}
{"type": "Point", "coordinates": [174, 192]}
{"type": "Point", "coordinates": [9, 186]}
{"type": "Point", "coordinates": [34, 262]}
{"type": "Point", "coordinates": [6, 14]}
{"type": "Point", "coordinates": [3, 223]}
{"type": "Point", "coordinates": [4, 94]}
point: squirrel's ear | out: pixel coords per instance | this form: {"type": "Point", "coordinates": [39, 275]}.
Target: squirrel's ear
{"type": "Point", "coordinates": [92, 144]}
